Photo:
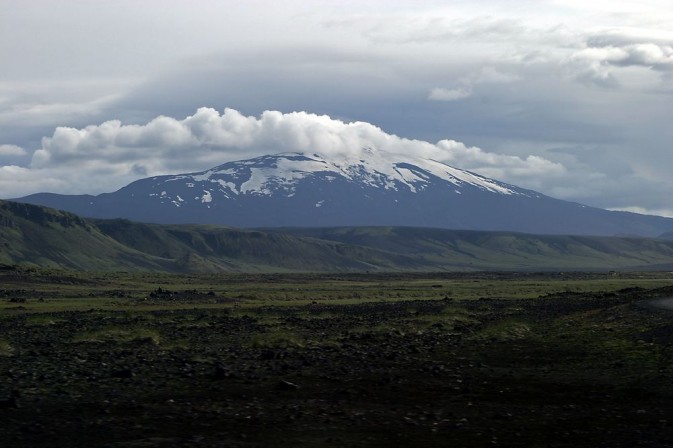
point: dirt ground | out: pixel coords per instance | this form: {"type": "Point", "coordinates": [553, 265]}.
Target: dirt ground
{"type": "Point", "coordinates": [564, 369]}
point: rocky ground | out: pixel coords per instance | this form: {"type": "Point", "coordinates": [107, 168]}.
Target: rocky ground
{"type": "Point", "coordinates": [565, 369]}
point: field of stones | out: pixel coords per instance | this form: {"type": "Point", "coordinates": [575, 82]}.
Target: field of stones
{"type": "Point", "coordinates": [370, 360]}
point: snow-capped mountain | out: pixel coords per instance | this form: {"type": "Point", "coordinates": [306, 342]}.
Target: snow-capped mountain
{"type": "Point", "coordinates": [370, 189]}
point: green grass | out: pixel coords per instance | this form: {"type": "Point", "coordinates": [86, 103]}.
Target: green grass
{"type": "Point", "coordinates": [48, 238]}
{"type": "Point", "coordinates": [48, 291]}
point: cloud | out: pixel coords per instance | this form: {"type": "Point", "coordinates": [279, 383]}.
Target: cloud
{"type": "Point", "coordinates": [649, 55]}
{"type": "Point", "coordinates": [12, 151]}
{"type": "Point", "coordinates": [40, 113]}
{"type": "Point", "coordinates": [454, 25]}
{"type": "Point", "coordinates": [668, 212]}
{"type": "Point", "coordinates": [104, 157]}
{"type": "Point", "coordinates": [12, 155]}
{"type": "Point", "coordinates": [486, 75]}
{"type": "Point", "coordinates": [442, 94]}
{"type": "Point", "coordinates": [491, 75]}
{"type": "Point", "coordinates": [607, 50]}
{"type": "Point", "coordinates": [509, 36]}
{"type": "Point", "coordinates": [18, 181]}
{"type": "Point", "coordinates": [592, 72]}
{"type": "Point", "coordinates": [621, 37]}
{"type": "Point", "coordinates": [46, 102]}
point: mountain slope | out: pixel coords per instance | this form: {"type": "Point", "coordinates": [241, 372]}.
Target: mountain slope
{"type": "Point", "coordinates": [464, 249]}
{"type": "Point", "coordinates": [42, 236]}
{"type": "Point", "coordinates": [45, 237]}
{"type": "Point", "coordinates": [372, 189]}
{"type": "Point", "coordinates": [235, 249]}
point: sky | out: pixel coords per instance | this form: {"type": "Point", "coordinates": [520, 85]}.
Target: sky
{"type": "Point", "coordinates": [571, 98]}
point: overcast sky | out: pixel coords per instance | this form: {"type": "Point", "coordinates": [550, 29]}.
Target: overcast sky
{"type": "Point", "coordinates": [570, 98]}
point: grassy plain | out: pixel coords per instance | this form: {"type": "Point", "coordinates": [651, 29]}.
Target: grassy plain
{"type": "Point", "coordinates": [479, 359]}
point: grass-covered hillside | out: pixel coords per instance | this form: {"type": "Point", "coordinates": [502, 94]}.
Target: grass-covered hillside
{"type": "Point", "coordinates": [39, 236]}
{"type": "Point", "coordinates": [465, 249]}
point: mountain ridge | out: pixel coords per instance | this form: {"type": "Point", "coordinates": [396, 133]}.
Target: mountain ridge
{"type": "Point", "coordinates": [40, 236]}
{"type": "Point", "coordinates": [366, 189]}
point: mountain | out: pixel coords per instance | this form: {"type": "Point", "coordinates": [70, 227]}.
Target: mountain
{"type": "Point", "coordinates": [444, 249]}
{"type": "Point", "coordinates": [666, 235]}
{"type": "Point", "coordinates": [40, 236]}
{"type": "Point", "coordinates": [371, 189]}
{"type": "Point", "coordinates": [45, 237]}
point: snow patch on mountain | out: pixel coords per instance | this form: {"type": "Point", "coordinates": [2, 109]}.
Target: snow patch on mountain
{"type": "Point", "coordinates": [281, 173]}
{"type": "Point", "coordinates": [287, 174]}
{"type": "Point", "coordinates": [228, 185]}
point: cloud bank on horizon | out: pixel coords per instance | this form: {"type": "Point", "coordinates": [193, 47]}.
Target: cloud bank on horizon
{"type": "Point", "coordinates": [569, 98]}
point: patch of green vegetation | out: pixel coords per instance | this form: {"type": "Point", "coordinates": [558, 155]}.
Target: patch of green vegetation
{"type": "Point", "coordinates": [636, 352]}
{"type": "Point", "coordinates": [452, 313]}
{"type": "Point", "coordinates": [6, 349]}
{"type": "Point", "coordinates": [505, 330]}
{"type": "Point", "coordinates": [49, 291]}
{"type": "Point", "coordinates": [43, 320]}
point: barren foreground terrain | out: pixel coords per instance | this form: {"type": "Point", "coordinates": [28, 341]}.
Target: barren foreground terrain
{"type": "Point", "coordinates": [470, 360]}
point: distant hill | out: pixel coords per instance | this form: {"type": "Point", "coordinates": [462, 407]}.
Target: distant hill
{"type": "Point", "coordinates": [236, 249]}
{"type": "Point", "coordinates": [41, 236]}
{"type": "Point", "coordinates": [464, 249]}
{"type": "Point", "coordinates": [371, 188]}
{"type": "Point", "coordinates": [46, 237]}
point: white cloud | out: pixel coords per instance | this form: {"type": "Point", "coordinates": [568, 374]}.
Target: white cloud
{"type": "Point", "coordinates": [491, 75]}
{"type": "Point", "coordinates": [442, 94]}
{"type": "Point", "coordinates": [668, 212]}
{"type": "Point", "coordinates": [56, 102]}
{"type": "Point", "coordinates": [486, 75]}
{"type": "Point", "coordinates": [13, 155]}
{"type": "Point", "coordinates": [620, 37]}
{"type": "Point", "coordinates": [645, 55]}
{"type": "Point", "coordinates": [590, 43]}
{"type": "Point", "coordinates": [607, 50]}
{"type": "Point", "coordinates": [531, 171]}
{"type": "Point", "coordinates": [35, 113]}
{"type": "Point", "coordinates": [18, 181]}
{"type": "Point", "coordinates": [12, 151]}
{"type": "Point", "coordinates": [104, 157]}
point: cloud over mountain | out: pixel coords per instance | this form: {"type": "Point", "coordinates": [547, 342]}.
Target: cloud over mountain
{"type": "Point", "coordinates": [114, 153]}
